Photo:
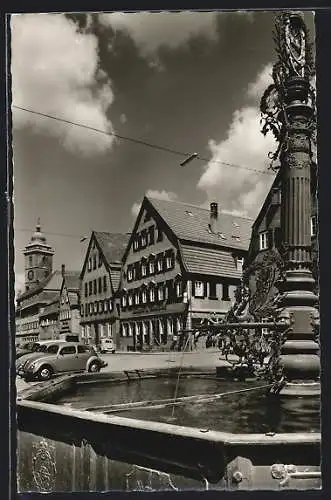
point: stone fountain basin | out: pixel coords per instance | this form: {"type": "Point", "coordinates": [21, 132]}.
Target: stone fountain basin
{"type": "Point", "coordinates": [75, 449]}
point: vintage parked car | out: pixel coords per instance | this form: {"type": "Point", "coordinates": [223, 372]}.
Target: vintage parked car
{"type": "Point", "coordinates": [107, 345]}
{"type": "Point", "coordinates": [26, 348]}
{"type": "Point", "coordinates": [60, 357]}
{"type": "Point", "coordinates": [37, 348]}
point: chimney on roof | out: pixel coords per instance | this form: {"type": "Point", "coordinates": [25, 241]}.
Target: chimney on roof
{"type": "Point", "coordinates": [63, 270]}
{"type": "Point", "coordinates": [213, 217]}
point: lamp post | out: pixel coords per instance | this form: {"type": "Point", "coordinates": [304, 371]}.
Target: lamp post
{"type": "Point", "coordinates": [288, 111]}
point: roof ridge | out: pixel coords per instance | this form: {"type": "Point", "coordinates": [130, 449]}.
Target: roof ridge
{"type": "Point", "coordinates": [200, 207]}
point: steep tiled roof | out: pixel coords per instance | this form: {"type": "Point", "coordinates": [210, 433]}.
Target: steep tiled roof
{"type": "Point", "coordinates": [209, 261]}
{"type": "Point", "coordinates": [52, 282]}
{"type": "Point", "coordinates": [50, 309]}
{"type": "Point", "coordinates": [113, 245]}
{"type": "Point", "coordinates": [72, 280]}
{"type": "Point", "coordinates": [190, 222]}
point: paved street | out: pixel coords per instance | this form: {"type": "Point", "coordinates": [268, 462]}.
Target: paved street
{"type": "Point", "coordinates": [134, 361]}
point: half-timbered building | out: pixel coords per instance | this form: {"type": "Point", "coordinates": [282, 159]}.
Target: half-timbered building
{"type": "Point", "coordinates": [100, 279]}
{"type": "Point", "coordinates": [182, 264]}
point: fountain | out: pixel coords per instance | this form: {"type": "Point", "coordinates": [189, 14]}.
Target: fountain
{"type": "Point", "coordinates": [252, 425]}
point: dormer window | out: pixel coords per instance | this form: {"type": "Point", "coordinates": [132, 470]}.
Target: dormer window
{"type": "Point", "coordinates": [135, 244]}
{"type": "Point", "coordinates": [263, 240]}
{"type": "Point", "coordinates": [159, 235]}
{"type": "Point", "coordinates": [89, 265]}
{"type": "Point", "coordinates": [144, 296]}
{"type": "Point", "coordinates": [137, 298]}
{"type": "Point", "coordinates": [130, 300]}
{"type": "Point", "coordinates": [94, 261]}
{"type": "Point", "coordinates": [100, 260]}
{"type": "Point", "coordinates": [124, 301]}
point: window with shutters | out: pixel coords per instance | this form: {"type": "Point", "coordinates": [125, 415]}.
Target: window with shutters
{"type": "Point", "coordinates": [212, 290]}
{"type": "Point", "coordinates": [143, 269]}
{"type": "Point", "coordinates": [152, 295]}
{"type": "Point", "coordinates": [160, 263]}
{"type": "Point", "coordinates": [199, 289]}
{"type": "Point", "coordinates": [263, 240]}
{"type": "Point", "coordinates": [151, 266]}
{"type": "Point", "coordinates": [130, 274]}
{"type": "Point", "coordinates": [160, 292]}
{"type": "Point", "coordinates": [225, 292]}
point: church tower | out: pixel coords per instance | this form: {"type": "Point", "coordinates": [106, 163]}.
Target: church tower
{"type": "Point", "coordinates": [38, 259]}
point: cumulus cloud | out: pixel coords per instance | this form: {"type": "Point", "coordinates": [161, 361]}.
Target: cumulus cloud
{"type": "Point", "coordinates": [55, 71]}
{"type": "Point", "coordinates": [153, 193]}
{"type": "Point", "coordinates": [264, 79]}
{"type": "Point", "coordinates": [240, 189]}
{"type": "Point", "coordinates": [151, 30]}
{"type": "Point", "coordinates": [19, 283]}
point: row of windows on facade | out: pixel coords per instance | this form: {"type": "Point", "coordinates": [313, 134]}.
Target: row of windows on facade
{"type": "Point", "coordinates": [163, 291]}
{"type": "Point", "coordinates": [104, 330]}
{"type": "Point", "coordinates": [28, 326]}
{"type": "Point", "coordinates": [148, 266]}
{"type": "Point", "coordinates": [264, 236]}
{"type": "Point", "coordinates": [96, 307]}
{"type": "Point", "coordinates": [155, 293]}
{"type": "Point", "coordinates": [65, 315]}
{"type": "Point", "coordinates": [95, 286]}
{"type": "Point", "coordinates": [152, 329]}
{"type": "Point", "coordinates": [92, 262]}
{"type": "Point", "coordinates": [147, 237]}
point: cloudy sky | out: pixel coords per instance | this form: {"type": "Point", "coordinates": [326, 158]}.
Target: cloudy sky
{"type": "Point", "coordinates": [189, 82]}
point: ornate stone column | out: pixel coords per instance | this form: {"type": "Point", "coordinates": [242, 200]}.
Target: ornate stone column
{"type": "Point", "coordinates": [288, 107]}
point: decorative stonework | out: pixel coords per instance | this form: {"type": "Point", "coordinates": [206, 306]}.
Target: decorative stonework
{"type": "Point", "coordinates": [44, 466]}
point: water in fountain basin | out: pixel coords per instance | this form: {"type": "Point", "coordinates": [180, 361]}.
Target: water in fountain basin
{"type": "Point", "coordinates": [250, 412]}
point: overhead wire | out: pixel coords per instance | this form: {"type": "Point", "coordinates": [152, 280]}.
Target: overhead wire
{"type": "Point", "coordinates": [141, 142]}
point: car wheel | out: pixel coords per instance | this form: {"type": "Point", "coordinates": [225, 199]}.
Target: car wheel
{"type": "Point", "coordinates": [94, 367]}
{"type": "Point", "coordinates": [44, 373]}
